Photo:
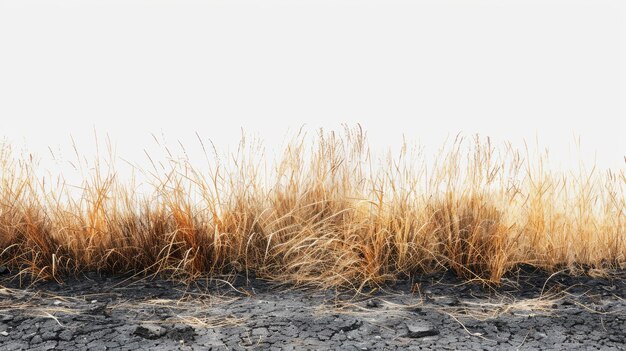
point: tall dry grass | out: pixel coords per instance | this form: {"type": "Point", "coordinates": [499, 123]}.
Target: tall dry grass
{"type": "Point", "coordinates": [326, 214]}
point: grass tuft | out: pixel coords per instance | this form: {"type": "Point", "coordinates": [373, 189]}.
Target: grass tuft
{"type": "Point", "coordinates": [326, 214]}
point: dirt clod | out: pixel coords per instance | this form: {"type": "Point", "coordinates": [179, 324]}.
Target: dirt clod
{"type": "Point", "coordinates": [420, 330]}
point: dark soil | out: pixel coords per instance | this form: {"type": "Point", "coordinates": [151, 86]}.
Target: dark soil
{"type": "Point", "coordinates": [530, 310]}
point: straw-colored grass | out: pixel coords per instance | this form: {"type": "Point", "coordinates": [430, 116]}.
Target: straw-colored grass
{"type": "Point", "coordinates": [326, 214]}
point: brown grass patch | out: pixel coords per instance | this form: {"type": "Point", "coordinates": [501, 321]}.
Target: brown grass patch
{"type": "Point", "coordinates": [325, 216]}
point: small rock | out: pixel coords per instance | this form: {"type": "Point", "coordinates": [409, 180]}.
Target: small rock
{"type": "Point", "coordinates": [373, 303]}
{"type": "Point", "coordinates": [4, 333]}
{"type": "Point", "coordinates": [449, 301]}
{"type": "Point", "coordinates": [420, 330]}
{"type": "Point", "coordinates": [56, 302]}
{"type": "Point", "coordinates": [150, 331]}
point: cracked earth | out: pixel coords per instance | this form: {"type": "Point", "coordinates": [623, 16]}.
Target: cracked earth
{"type": "Point", "coordinates": [531, 310]}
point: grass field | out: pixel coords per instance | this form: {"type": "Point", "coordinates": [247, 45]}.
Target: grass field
{"type": "Point", "coordinates": [325, 214]}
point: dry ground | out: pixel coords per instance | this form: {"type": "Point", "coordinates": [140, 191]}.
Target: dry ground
{"type": "Point", "coordinates": [531, 310]}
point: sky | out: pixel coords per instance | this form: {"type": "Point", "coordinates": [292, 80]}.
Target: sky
{"type": "Point", "coordinates": [545, 70]}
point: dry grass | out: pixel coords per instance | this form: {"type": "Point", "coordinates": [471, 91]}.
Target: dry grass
{"type": "Point", "coordinates": [325, 216]}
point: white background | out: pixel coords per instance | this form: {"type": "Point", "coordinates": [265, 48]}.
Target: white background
{"type": "Point", "coordinates": [512, 70]}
